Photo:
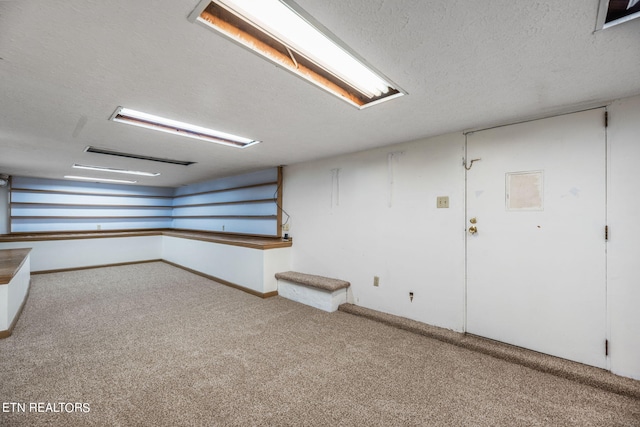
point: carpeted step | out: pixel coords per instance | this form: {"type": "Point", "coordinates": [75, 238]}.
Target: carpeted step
{"type": "Point", "coordinates": [320, 292]}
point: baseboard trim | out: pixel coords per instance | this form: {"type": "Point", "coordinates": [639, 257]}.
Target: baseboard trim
{"type": "Point", "coordinates": [224, 282]}
{"type": "Point", "coordinates": [89, 267]}
{"type": "Point", "coordinates": [7, 333]}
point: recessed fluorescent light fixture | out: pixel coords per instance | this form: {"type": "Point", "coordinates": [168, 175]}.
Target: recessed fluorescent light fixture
{"type": "Point", "coordinates": [285, 34]}
{"type": "Point", "coordinates": [614, 12]}
{"type": "Point", "coordinates": [114, 170]}
{"type": "Point", "coordinates": [110, 152]}
{"type": "Point", "coordinates": [149, 121]}
{"type": "Point", "coordinates": [88, 178]}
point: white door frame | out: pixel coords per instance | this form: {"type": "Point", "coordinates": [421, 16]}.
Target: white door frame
{"type": "Point", "coordinates": [468, 163]}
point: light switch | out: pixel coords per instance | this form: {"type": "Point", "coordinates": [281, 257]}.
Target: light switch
{"type": "Point", "coordinates": [443, 202]}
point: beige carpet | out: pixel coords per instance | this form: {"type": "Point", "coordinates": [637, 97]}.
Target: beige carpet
{"type": "Point", "coordinates": [150, 344]}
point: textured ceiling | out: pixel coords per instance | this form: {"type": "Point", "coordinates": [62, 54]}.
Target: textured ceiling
{"type": "Point", "coordinates": [65, 67]}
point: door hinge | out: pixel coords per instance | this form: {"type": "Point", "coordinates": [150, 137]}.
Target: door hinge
{"type": "Point", "coordinates": [606, 347]}
{"type": "Point", "coordinates": [606, 232]}
{"type": "Point", "coordinates": [606, 119]}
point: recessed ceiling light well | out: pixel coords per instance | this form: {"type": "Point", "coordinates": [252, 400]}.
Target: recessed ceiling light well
{"type": "Point", "coordinates": [110, 152]}
{"type": "Point", "coordinates": [115, 170]}
{"type": "Point", "coordinates": [285, 34]}
{"type": "Point", "coordinates": [162, 124]}
{"type": "Point", "coordinates": [88, 178]}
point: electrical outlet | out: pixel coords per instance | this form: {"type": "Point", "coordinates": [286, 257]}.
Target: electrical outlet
{"type": "Point", "coordinates": [99, 227]}
{"type": "Point", "coordinates": [443, 202]}
{"type": "Point", "coordinates": [285, 227]}
{"type": "Point", "coordinates": [376, 281]}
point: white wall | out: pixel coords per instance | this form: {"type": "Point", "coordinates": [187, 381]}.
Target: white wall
{"type": "Point", "coordinates": [624, 244]}
{"type": "Point", "coordinates": [61, 254]}
{"type": "Point", "coordinates": [381, 219]}
{"type": "Point", "coordinates": [412, 246]}
{"type": "Point", "coordinates": [247, 267]}
{"type": "Point", "coordinates": [12, 295]}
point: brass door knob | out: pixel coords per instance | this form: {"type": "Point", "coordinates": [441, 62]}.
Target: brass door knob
{"type": "Point", "coordinates": [473, 229]}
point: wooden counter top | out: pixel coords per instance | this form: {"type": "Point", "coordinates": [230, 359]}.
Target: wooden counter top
{"type": "Point", "coordinates": [10, 262]}
{"type": "Point", "coordinates": [255, 242]}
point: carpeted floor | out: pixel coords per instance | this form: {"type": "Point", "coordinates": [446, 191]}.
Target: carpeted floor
{"type": "Point", "coordinates": [150, 344]}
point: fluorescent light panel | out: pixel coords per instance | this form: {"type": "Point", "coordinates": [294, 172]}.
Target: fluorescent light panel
{"type": "Point", "coordinates": [115, 170]}
{"type": "Point", "coordinates": [162, 124]}
{"type": "Point", "coordinates": [88, 178]}
{"type": "Point", "coordinates": [285, 34]}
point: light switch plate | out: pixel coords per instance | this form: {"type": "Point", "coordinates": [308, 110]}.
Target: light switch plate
{"type": "Point", "coordinates": [443, 202]}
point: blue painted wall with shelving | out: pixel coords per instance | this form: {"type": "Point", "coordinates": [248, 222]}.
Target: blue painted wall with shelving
{"type": "Point", "coordinates": [243, 204]}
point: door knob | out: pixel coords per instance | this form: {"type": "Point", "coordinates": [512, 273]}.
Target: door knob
{"type": "Point", "coordinates": [473, 229]}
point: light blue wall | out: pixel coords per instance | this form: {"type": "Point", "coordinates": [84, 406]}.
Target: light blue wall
{"type": "Point", "coordinates": [55, 205]}
{"type": "Point", "coordinates": [4, 210]}
{"type": "Point", "coordinates": [238, 204]}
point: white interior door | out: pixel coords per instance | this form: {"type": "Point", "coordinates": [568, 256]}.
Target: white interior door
{"type": "Point", "coordinates": [536, 265]}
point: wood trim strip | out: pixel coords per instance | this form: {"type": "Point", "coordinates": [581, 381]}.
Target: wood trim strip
{"type": "Point", "coordinates": [278, 201]}
{"type": "Point", "coordinates": [264, 184]}
{"type": "Point", "coordinates": [7, 333]}
{"type": "Point", "coordinates": [224, 282]}
{"type": "Point", "coordinates": [89, 267]}
{"type": "Point", "coordinates": [80, 193]}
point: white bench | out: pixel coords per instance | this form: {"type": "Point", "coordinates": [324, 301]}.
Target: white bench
{"type": "Point", "coordinates": [317, 291]}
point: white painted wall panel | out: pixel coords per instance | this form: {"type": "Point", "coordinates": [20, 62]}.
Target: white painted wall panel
{"type": "Point", "coordinates": [17, 290]}
{"type": "Point", "coordinates": [13, 294]}
{"type": "Point", "coordinates": [275, 261]}
{"type": "Point", "coordinates": [4, 311]}
{"type": "Point", "coordinates": [60, 254]}
{"type": "Point", "coordinates": [377, 216]}
{"type": "Point", "coordinates": [238, 265]}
